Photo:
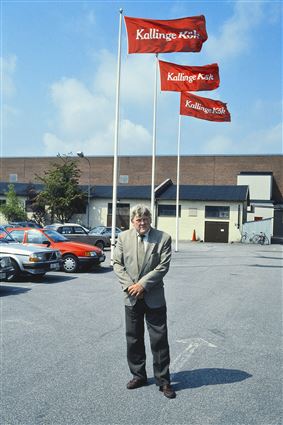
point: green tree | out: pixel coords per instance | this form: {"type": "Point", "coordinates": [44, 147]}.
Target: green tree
{"type": "Point", "coordinates": [13, 209]}
{"type": "Point", "coordinates": [35, 205]}
{"type": "Point", "coordinates": [61, 193]}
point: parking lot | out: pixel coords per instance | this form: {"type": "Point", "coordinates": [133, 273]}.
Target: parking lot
{"type": "Point", "coordinates": [63, 359]}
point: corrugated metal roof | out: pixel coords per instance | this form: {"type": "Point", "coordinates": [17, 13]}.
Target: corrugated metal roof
{"type": "Point", "coordinates": [207, 193]}
{"type": "Point", "coordinates": [187, 192]}
{"type": "Point", "coordinates": [123, 192]}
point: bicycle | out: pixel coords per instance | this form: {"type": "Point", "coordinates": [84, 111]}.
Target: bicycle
{"type": "Point", "coordinates": [245, 238]}
{"type": "Point", "coordinates": [262, 239]}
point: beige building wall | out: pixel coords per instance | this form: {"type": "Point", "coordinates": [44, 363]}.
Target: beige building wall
{"type": "Point", "coordinates": [193, 219]}
{"type": "Point", "coordinates": [260, 186]}
{"type": "Point", "coordinates": [264, 212]}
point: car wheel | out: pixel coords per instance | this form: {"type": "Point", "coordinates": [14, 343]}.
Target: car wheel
{"type": "Point", "coordinates": [70, 263]}
{"type": "Point", "coordinates": [100, 244]}
{"type": "Point", "coordinates": [15, 274]}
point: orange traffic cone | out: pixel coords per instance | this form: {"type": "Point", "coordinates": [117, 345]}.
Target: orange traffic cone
{"type": "Point", "coordinates": [194, 236]}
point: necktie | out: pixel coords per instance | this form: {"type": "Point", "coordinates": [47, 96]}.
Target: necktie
{"type": "Point", "coordinates": [140, 251]}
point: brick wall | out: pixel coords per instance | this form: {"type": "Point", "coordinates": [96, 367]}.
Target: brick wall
{"type": "Point", "coordinates": [193, 169]}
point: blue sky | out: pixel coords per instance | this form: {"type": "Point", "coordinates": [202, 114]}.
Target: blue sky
{"type": "Point", "coordinates": [58, 78]}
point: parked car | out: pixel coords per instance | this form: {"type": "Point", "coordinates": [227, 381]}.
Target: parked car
{"type": "Point", "coordinates": [75, 254]}
{"type": "Point", "coordinates": [77, 233]}
{"type": "Point", "coordinates": [23, 224]}
{"type": "Point", "coordinates": [28, 260]}
{"type": "Point", "coordinates": [105, 231]}
{"type": "Point", "coordinates": [6, 267]}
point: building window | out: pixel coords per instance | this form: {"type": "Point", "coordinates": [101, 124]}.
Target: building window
{"type": "Point", "coordinates": [13, 178]}
{"type": "Point", "coordinates": [123, 179]}
{"type": "Point", "coordinates": [168, 210]}
{"type": "Point", "coordinates": [217, 212]}
{"type": "Point", "coordinates": [193, 212]}
{"type": "Point", "coordinates": [81, 208]}
{"type": "Point", "coordinates": [121, 209]}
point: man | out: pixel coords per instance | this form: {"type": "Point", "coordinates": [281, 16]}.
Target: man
{"type": "Point", "coordinates": [141, 260]}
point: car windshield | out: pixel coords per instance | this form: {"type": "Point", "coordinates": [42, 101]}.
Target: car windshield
{"type": "Point", "coordinates": [97, 230]}
{"type": "Point", "coordinates": [55, 236]}
{"type": "Point", "coordinates": [5, 237]}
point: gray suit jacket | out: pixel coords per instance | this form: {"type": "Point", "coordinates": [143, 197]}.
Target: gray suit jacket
{"type": "Point", "coordinates": [155, 266]}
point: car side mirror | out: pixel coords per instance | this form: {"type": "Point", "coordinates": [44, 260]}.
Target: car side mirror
{"type": "Point", "coordinates": [47, 243]}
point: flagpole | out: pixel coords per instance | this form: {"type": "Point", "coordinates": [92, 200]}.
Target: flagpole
{"type": "Point", "coordinates": [115, 161]}
{"type": "Point", "coordinates": [154, 143]}
{"type": "Point", "coordinates": [178, 185]}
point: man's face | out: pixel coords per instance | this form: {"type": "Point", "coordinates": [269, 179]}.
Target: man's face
{"type": "Point", "coordinates": [141, 224]}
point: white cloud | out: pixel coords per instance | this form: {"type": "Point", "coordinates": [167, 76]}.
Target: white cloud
{"type": "Point", "coordinates": [235, 34]}
{"type": "Point", "coordinates": [85, 115]}
{"type": "Point", "coordinates": [134, 139]}
{"type": "Point", "coordinates": [80, 112]}
{"type": "Point", "coordinates": [137, 78]}
{"type": "Point", "coordinates": [264, 140]}
{"type": "Point", "coordinates": [268, 140]}
{"type": "Point", "coordinates": [8, 67]}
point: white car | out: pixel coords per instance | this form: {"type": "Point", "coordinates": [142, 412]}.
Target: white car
{"type": "Point", "coordinates": [6, 268]}
{"type": "Point", "coordinates": [28, 259]}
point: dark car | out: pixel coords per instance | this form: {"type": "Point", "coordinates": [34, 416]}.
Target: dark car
{"type": "Point", "coordinates": [77, 233]}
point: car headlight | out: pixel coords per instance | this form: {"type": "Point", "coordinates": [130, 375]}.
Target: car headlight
{"type": "Point", "coordinates": [5, 262]}
{"type": "Point", "coordinates": [58, 255]}
{"type": "Point", "coordinates": [90, 254]}
{"type": "Point", "coordinates": [36, 257]}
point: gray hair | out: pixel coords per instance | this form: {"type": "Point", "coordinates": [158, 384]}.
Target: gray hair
{"type": "Point", "coordinates": [140, 210]}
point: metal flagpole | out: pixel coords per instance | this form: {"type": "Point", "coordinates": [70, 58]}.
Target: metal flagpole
{"type": "Point", "coordinates": [115, 162]}
{"type": "Point", "coordinates": [154, 143]}
{"type": "Point", "coordinates": [178, 185]}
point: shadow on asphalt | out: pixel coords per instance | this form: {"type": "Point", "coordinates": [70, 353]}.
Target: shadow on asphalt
{"type": "Point", "coordinates": [271, 258]}
{"type": "Point", "coordinates": [5, 291]}
{"type": "Point", "coordinates": [266, 265]}
{"type": "Point", "coordinates": [50, 279]}
{"type": "Point", "coordinates": [201, 377]}
{"type": "Point", "coordinates": [102, 269]}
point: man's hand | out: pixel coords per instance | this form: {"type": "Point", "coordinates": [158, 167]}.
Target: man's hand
{"type": "Point", "coordinates": [136, 290]}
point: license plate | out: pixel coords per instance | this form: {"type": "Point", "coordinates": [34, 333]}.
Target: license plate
{"type": "Point", "coordinates": [54, 266]}
{"type": "Point", "coordinates": [2, 275]}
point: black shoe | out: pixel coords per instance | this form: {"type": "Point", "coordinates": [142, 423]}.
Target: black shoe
{"type": "Point", "coordinates": [136, 383]}
{"type": "Point", "coordinates": [167, 391]}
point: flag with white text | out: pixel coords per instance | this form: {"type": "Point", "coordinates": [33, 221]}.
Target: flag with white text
{"type": "Point", "coordinates": [203, 108]}
{"type": "Point", "coordinates": [175, 77]}
{"type": "Point", "coordinates": [165, 36]}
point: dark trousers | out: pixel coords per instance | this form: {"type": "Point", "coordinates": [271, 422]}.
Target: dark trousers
{"type": "Point", "coordinates": [156, 321]}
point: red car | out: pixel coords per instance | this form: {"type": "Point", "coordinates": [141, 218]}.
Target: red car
{"type": "Point", "coordinates": [74, 254]}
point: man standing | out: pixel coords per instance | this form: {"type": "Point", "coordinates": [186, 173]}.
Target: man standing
{"type": "Point", "coordinates": [141, 260]}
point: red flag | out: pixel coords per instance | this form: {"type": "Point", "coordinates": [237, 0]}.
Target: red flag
{"type": "Point", "coordinates": [165, 36]}
{"type": "Point", "coordinates": [188, 78]}
{"type": "Point", "coordinates": [203, 108]}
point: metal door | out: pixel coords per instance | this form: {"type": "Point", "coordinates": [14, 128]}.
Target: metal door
{"type": "Point", "coordinates": [216, 231]}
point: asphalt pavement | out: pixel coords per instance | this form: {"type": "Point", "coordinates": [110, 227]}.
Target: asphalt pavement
{"type": "Point", "coordinates": [63, 357]}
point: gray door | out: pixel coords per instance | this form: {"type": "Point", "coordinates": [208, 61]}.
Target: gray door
{"type": "Point", "coordinates": [216, 231]}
